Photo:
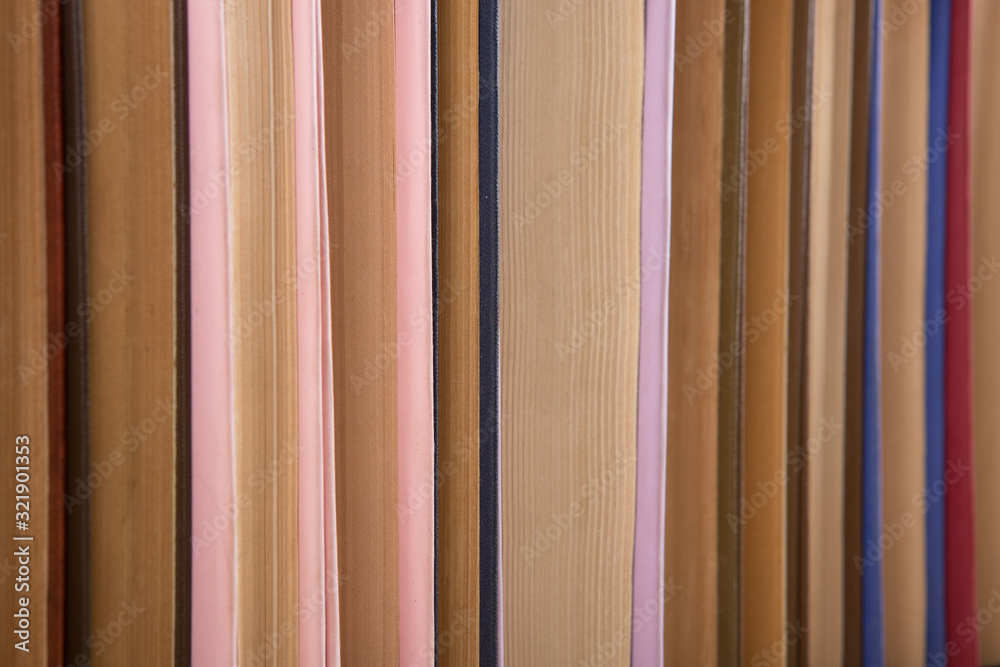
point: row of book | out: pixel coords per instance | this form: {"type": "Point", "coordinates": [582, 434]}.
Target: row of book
{"type": "Point", "coordinates": [482, 332]}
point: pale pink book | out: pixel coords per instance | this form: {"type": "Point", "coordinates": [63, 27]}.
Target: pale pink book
{"type": "Point", "coordinates": [314, 400]}
{"type": "Point", "coordinates": [331, 579]}
{"type": "Point", "coordinates": [414, 321]}
{"type": "Point", "coordinates": [213, 631]}
{"type": "Point", "coordinates": [651, 452]}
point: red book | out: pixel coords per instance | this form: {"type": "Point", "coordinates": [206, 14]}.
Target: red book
{"type": "Point", "coordinates": [960, 549]}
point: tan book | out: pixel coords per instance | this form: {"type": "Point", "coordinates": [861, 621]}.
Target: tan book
{"type": "Point", "coordinates": [823, 453]}
{"type": "Point", "coordinates": [262, 293]}
{"type": "Point", "coordinates": [571, 77]}
{"type": "Point", "coordinates": [903, 192]}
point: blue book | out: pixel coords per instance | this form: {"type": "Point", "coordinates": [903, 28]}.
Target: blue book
{"type": "Point", "coordinates": [872, 590]}
{"type": "Point", "coordinates": [937, 127]}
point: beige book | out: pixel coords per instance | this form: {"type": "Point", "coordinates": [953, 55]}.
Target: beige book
{"type": "Point", "coordinates": [262, 293]}
{"type": "Point", "coordinates": [823, 454]}
{"type": "Point", "coordinates": [985, 146]}
{"type": "Point", "coordinates": [571, 77]}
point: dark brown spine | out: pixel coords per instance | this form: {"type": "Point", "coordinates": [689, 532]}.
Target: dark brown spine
{"type": "Point", "coordinates": [854, 375]}
{"type": "Point", "coordinates": [798, 269]}
{"type": "Point", "coordinates": [731, 333]}
{"type": "Point", "coordinates": [182, 595]}
{"type": "Point", "coordinates": [73, 167]}
{"type": "Point", "coordinates": [56, 323]}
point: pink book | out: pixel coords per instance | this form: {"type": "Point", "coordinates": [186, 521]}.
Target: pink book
{"type": "Point", "coordinates": [415, 327]}
{"type": "Point", "coordinates": [213, 631]}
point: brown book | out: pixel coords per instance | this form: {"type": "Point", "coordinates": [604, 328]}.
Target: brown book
{"type": "Point", "coordinates": [133, 256]}
{"type": "Point", "coordinates": [854, 377]}
{"type": "Point", "coordinates": [691, 537]}
{"type": "Point", "coordinates": [765, 480]}
{"type": "Point", "coordinates": [358, 71]}
{"type": "Point", "coordinates": [27, 369]}
{"type": "Point", "coordinates": [55, 267]}
{"type": "Point", "coordinates": [732, 303]}
{"type": "Point", "coordinates": [797, 127]}
{"type": "Point", "coordinates": [458, 333]}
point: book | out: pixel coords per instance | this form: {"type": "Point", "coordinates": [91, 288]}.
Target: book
{"type": "Point", "coordinates": [360, 129]}
{"type": "Point", "coordinates": [571, 276]}
{"type": "Point", "coordinates": [765, 478]}
{"type": "Point", "coordinates": [691, 563]}
{"type": "Point", "coordinates": [904, 267]}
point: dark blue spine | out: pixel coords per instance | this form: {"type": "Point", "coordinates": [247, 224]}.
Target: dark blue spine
{"type": "Point", "coordinates": [937, 143]}
{"type": "Point", "coordinates": [489, 336]}
{"type": "Point", "coordinates": [873, 603]}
